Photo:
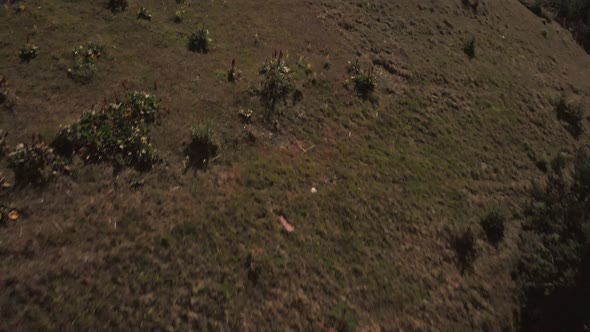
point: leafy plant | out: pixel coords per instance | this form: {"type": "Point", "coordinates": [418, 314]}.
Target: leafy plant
{"type": "Point", "coordinates": [276, 83]}
{"type": "Point", "coordinates": [117, 5]}
{"type": "Point", "coordinates": [365, 82]}
{"type": "Point", "coordinates": [144, 14]}
{"type": "Point", "coordinates": [200, 41]}
{"type": "Point", "coordinates": [469, 47]}
{"type": "Point", "coordinates": [84, 67]}
{"type": "Point", "coordinates": [118, 133]}
{"type": "Point", "coordinates": [233, 74]}
{"type": "Point", "coordinates": [246, 115]}
{"type": "Point", "coordinates": [28, 53]}
{"type": "Point", "coordinates": [179, 16]}
{"type": "Point", "coordinates": [35, 163]}
{"type": "Point", "coordinates": [493, 225]}
{"type": "Point", "coordinates": [203, 146]}
{"type": "Point", "coordinates": [464, 245]}
{"type": "Point", "coordinates": [572, 114]}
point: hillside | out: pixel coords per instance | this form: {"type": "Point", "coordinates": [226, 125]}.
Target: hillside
{"type": "Point", "coordinates": [376, 186]}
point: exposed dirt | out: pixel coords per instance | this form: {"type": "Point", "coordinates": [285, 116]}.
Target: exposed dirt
{"type": "Point", "coordinates": [443, 139]}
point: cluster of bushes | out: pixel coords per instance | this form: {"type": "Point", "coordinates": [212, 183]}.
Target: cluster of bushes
{"type": "Point", "coordinates": [118, 133]}
{"type": "Point", "coordinates": [553, 271]}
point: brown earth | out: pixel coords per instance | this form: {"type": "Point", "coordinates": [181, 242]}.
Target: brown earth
{"type": "Point", "coordinates": [444, 139]}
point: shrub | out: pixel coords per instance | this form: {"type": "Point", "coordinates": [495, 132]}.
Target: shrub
{"type": "Point", "coordinates": [117, 133]}
{"type": "Point", "coordinates": [276, 85]}
{"type": "Point", "coordinates": [469, 47]}
{"type": "Point", "coordinates": [28, 53]}
{"type": "Point", "coordinates": [7, 98]}
{"type": "Point", "coordinates": [200, 41]}
{"type": "Point", "coordinates": [35, 163]}
{"type": "Point", "coordinates": [464, 246]}
{"type": "Point", "coordinates": [84, 67]}
{"type": "Point", "coordinates": [144, 14]}
{"type": "Point", "coordinates": [179, 16]}
{"type": "Point", "coordinates": [364, 81]}
{"type": "Point", "coordinates": [203, 146]}
{"type": "Point", "coordinates": [472, 4]}
{"type": "Point", "coordinates": [233, 74]}
{"type": "Point", "coordinates": [553, 270]}
{"type": "Point", "coordinates": [573, 115]}
{"type": "Point", "coordinates": [493, 226]}
{"type": "Point", "coordinates": [117, 5]}
{"type": "Point", "coordinates": [3, 150]}
{"type": "Point", "coordinates": [246, 115]}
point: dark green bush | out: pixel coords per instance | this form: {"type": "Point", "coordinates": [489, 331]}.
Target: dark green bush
{"type": "Point", "coordinates": [117, 133]}
{"type": "Point", "coordinates": [493, 226]}
{"type": "Point", "coordinates": [200, 41]}
{"type": "Point", "coordinates": [276, 85]}
{"type": "Point", "coordinates": [203, 146]}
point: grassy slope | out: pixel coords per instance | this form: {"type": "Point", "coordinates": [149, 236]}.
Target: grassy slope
{"type": "Point", "coordinates": [446, 139]}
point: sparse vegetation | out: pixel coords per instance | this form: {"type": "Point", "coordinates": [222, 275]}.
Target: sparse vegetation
{"type": "Point", "coordinates": [469, 47]}
{"type": "Point", "coordinates": [552, 270]}
{"type": "Point", "coordinates": [276, 85]}
{"type": "Point", "coordinates": [572, 114]}
{"type": "Point", "coordinates": [28, 53]}
{"type": "Point", "coordinates": [493, 224]}
{"type": "Point", "coordinates": [341, 319]}
{"type": "Point", "coordinates": [117, 133]}
{"type": "Point", "coordinates": [200, 41]}
{"type": "Point", "coordinates": [203, 146]}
